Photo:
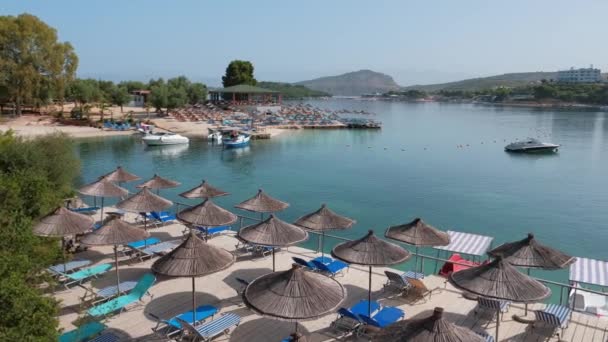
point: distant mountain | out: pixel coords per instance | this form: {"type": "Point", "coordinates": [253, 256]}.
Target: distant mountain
{"type": "Point", "coordinates": [505, 80]}
{"type": "Point", "coordinates": [292, 91]}
{"type": "Point", "coordinates": [353, 83]}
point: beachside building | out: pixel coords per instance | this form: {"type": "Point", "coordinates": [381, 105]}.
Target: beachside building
{"type": "Point", "coordinates": [139, 98]}
{"type": "Point", "coordinates": [245, 93]}
{"type": "Point", "coordinates": [582, 75]}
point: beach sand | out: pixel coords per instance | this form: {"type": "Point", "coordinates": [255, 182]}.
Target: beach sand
{"type": "Point", "coordinates": [30, 126]}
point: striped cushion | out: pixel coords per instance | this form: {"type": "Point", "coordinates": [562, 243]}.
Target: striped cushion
{"type": "Point", "coordinates": [553, 314]}
{"type": "Point", "coordinates": [110, 291]}
{"type": "Point", "coordinates": [107, 337]}
{"type": "Point", "coordinates": [215, 327]}
{"type": "Point", "coordinates": [493, 304]}
{"type": "Point", "coordinates": [413, 275]}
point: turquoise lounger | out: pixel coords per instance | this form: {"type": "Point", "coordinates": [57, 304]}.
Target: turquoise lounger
{"type": "Point", "coordinates": [120, 303]}
{"type": "Point", "coordinates": [211, 329]}
{"type": "Point", "coordinates": [85, 274]}
{"type": "Point", "coordinates": [83, 333]}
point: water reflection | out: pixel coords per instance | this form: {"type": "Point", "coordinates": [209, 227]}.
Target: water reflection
{"type": "Point", "coordinates": [168, 151]}
{"type": "Point", "coordinates": [231, 154]}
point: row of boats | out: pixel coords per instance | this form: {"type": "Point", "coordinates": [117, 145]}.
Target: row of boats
{"type": "Point", "coordinates": [229, 139]}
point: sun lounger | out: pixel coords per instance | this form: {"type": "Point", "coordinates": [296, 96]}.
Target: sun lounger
{"type": "Point", "coordinates": [397, 281]}
{"type": "Point", "coordinates": [83, 333]}
{"type": "Point", "coordinates": [492, 305]}
{"type": "Point", "coordinates": [157, 249]}
{"type": "Point", "coordinates": [68, 267]}
{"type": "Point", "coordinates": [172, 326]}
{"type": "Point", "coordinates": [144, 243]}
{"type": "Point", "coordinates": [348, 320]}
{"type": "Point", "coordinates": [212, 231]}
{"type": "Point", "coordinates": [556, 316]}
{"type": "Point", "coordinates": [85, 210]}
{"type": "Point", "coordinates": [106, 337]}
{"type": "Point", "coordinates": [83, 275]}
{"type": "Point", "coordinates": [211, 329]}
{"type": "Point", "coordinates": [486, 337]}
{"type": "Point", "coordinates": [386, 316]}
{"type": "Point", "coordinates": [332, 268]}
{"type": "Point", "coordinates": [160, 218]}
{"type": "Point", "coordinates": [120, 303]}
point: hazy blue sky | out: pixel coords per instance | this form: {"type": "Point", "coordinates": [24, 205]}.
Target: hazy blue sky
{"type": "Point", "coordinates": [414, 41]}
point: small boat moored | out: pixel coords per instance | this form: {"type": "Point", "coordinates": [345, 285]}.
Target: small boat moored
{"type": "Point", "coordinates": [531, 145]}
{"type": "Point", "coordinates": [161, 139]}
{"type": "Point", "coordinates": [236, 139]}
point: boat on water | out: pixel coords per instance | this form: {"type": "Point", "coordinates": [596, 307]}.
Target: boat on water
{"type": "Point", "coordinates": [161, 139]}
{"type": "Point", "coordinates": [236, 139]}
{"type": "Point", "coordinates": [531, 145]}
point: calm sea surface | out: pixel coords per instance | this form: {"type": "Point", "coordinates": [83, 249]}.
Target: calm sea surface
{"type": "Point", "coordinates": [413, 167]}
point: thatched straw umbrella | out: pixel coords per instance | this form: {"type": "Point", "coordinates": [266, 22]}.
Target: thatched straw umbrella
{"type": "Point", "coordinates": [144, 202]}
{"type": "Point", "coordinates": [434, 328]}
{"type": "Point", "coordinates": [262, 203]}
{"type": "Point", "coordinates": [207, 214]}
{"type": "Point", "coordinates": [273, 232]}
{"type": "Point", "coordinates": [114, 232]}
{"type": "Point", "coordinates": [529, 253]}
{"type": "Point", "coordinates": [294, 295]}
{"type": "Point", "coordinates": [120, 175]}
{"type": "Point", "coordinates": [370, 251]}
{"type": "Point", "coordinates": [157, 182]}
{"type": "Point", "coordinates": [418, 233]}
{"type": "Point", "coordinates": [500, 280]}
{"type": "Point", "coordinates": [103, 188]}
{"type": "Point", "coordinates": [61, 223]}
{"type": "Point", "coordinates": [322, 220]}
{"type": "Point", "coordinates": [193, 258]}
{"type": "Point", "coordinates": [205, 190]}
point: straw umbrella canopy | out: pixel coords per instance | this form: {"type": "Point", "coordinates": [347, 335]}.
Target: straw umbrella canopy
{"type": "Point", "coordinates": [262, 203]}
{"type": "Point", "coordinates": [433, 328]}
{"type": "Point", "coordinates": [157, 182]}
{"type": "Point", "coordinates": [273, 232]}
{"type": "Point", "coordinates": [120, 175]}
{"type": "Point", "coordinates": [294, 295]}
{"type": "Point", "coordinates": [103, 188]}
{"type": "Point", "coordinates": [205, 190]}
{"type": "Point", "coordinates": [500, 280]}
{"type": "Point", "coordinates": [114, 232]}
{"type": "Point", "coordinates": [419, 234]}
{"type": "Point", "coordinates": [324, 219]}
{"type": "Point", "coordinates": [63, 222]}
{"type": "Point", "coordinates": [370, 251]}
{"type": "Point", "coordinates": [193, 258]}
{"type": "Point", "coordinates": [207, 214]}
{"type": "Point", "coordinates": [144, 202]}
{"type": "Point", "coordinates": [530, 253]}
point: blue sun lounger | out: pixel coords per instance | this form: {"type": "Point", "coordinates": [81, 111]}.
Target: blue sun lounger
{"type": "Point", "coordinates": [348, 319]}
{"type": "Point", "coordinates": [157, 249]}
{"type": "Point", "coordinates": [212, 231]}
{"type": "Point", "coordinates": [172, 326]}
{"type": "Point", "coordinates": [120, 303]}
{"type": "Point", "coordinates": [162, 217]}
{"type": "Point", "coordinates": [68, 267]}
{"type": "Point", "coordinates": [388, 315]}
{"type": "Point", "coordinates": [332, 268]}
{"type": "Point", "coordinates": [554, 315]}
{"type": "Point", "coordinates": [83, 333]}
{"type": "Point", "coordinates": [211, 329]}
{"type": "Point", "coordinates": [83, 275]}
{"type": "Point", "coordinates": [85, 210]}
{"type": "Point", "coordinates": [143, 243]}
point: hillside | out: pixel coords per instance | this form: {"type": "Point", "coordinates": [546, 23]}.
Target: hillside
{"type": "Point", "coordinates": [292, 91]}
{"type": "Point", "coordinates": [506, 80]}
{"type": "Point", "coordinates": [353, 83]}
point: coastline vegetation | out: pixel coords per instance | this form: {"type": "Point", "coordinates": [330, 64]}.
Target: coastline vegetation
{"type": "Point", "coordinates": [35, 176]}
{"type": "Point", "coordinates": [293, 91]}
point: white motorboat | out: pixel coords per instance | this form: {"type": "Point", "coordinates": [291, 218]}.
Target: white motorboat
{"type": "Point", "coordinates": [236, 140]}
{"type": "Point", "coordinates": [531, 145]}
{"type": "Point", "coordinates": [160, 139]}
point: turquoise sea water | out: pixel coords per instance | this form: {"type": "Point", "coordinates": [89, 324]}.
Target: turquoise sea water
{"type": "Point", "coordinates": [444, 163]}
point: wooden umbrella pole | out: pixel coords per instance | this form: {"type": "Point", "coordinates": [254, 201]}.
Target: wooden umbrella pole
{"type": "Point", "coordinates": [145, 228]}
{"type": "Point", "coordinates": [63, 253]}
{"type": "Point", "coordinates": [193, 301]}
{"type": "Point", "coordinates": [497, 321]}
{"type": "Point", "coordinates": [117, 276]}
{"type": "Point", "coordinates": [272, 259]}
{"type": "Point", "coordinates": [101, 220]}
{"type": "Point", "coordinates": [322, 246]}
{"type": "Point", "coordinates": [369, 294]}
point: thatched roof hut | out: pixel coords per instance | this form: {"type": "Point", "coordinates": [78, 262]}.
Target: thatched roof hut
{"type": "Point", "coordinates": [273, 232]}
{"type": "Point", "coordinates": [158, 182]}
{"type": "Point", "coordinates": [205, 190]}
{"type": "Point", "coordinates": [207, 214]}
{"type": "Point", "coordinates": [114, 232]}
{"type": "Point", "coordinates": [62, 222]}
{"type": "Point", "coordinates": [418, 233]}
{"type": "Point", "coordinates": [120, 175]}
{"type": "Point", "coordinates": [103, 188]}
{"type": "Point", "coordinates": [324, 219]}
{"type": "Point", "coordinates": [144, 201]}
{"type": "Point", "coordinates": [371, 251]}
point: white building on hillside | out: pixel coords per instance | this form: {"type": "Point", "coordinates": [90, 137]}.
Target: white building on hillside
{"type": "Point", "coordinates": [583, 75]}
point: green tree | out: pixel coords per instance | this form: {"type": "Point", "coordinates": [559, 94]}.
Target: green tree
{"type": "Point", "coordinates": [35, 175]}
{"type": "Point", "coordinates": [85, 91]}
{"type": "Point", "coordinates": [120, 96]}
{"type": "Point", "coordinates": [159, 95]}
{"type": "Point", "coordinates": [197, 92]}
{"type": "Point", "coordinates": [239, 72]}
{"type": "Point", "coordinates": [133, 85]}
{"type": "Point", "coordinates": [177, 96]}
{"type": "Point", "coordinates": [31, 57]}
